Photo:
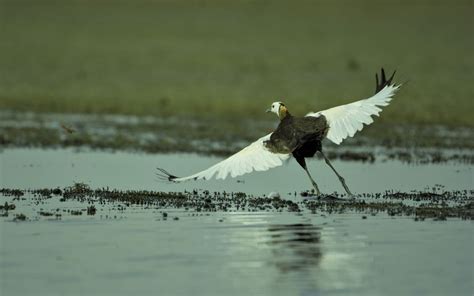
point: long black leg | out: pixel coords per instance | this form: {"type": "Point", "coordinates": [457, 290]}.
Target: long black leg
{"type": "Point", "coordinates": [302, 162]}
{"type": "Point", "coordinates": [343, 182]}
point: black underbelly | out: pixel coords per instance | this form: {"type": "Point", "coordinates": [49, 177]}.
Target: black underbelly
{"type": "Point", "coordinates": [308, 149]}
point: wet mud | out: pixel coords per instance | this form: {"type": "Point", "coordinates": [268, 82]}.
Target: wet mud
{"type": "Point", "coordinates": [436, 203]}
{"type": "Point", "coordinates": [381, 142]}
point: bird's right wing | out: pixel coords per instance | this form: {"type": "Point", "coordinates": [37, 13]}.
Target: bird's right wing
{"type": "Point", "coordinates": [255, 157]}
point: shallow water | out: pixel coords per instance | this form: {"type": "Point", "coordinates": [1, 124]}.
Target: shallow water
{"type": "Point", "coordinates": [245, 254]}
{"type": "Point", "coordinates": [36, 168]}
{"type": "Point", "coordinates": [139, 252]}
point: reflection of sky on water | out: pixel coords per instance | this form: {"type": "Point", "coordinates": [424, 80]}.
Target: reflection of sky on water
{"type": "Point", "coordinates": [245, 254]}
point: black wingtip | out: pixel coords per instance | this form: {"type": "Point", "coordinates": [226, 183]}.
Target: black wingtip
{"type": "Point", "coordinates": [383, 80]}
{"type": "Point", "coordinates": [163, 175]}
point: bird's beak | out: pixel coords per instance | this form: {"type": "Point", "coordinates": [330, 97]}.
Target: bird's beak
{"type": "Point", "coordinates": [268, 110]}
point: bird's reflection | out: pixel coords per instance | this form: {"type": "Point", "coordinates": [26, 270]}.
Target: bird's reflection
{"type": "Point", "coordinates": [295, 246]}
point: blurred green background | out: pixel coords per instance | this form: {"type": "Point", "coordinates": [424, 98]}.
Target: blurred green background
{"type": "Point", "coordinates": [233, 58]}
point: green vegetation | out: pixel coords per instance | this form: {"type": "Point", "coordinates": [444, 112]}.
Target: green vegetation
{"type": "Point", "coordinates": [233, 58]}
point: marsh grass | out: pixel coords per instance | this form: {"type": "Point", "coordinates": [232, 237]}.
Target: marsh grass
{"type": "Point", "coordinates": [224, 59]}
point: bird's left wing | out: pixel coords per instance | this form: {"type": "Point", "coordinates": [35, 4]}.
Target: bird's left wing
{"type": "Point", "coordinates": [255, 157]}
{"type": "Point", "coordinates": [345, 120]}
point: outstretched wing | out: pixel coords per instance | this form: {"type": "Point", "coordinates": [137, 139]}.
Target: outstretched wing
{"type": "Point", "coordinates": [344, 121]}
{"type": "Point", "coordinates": [255, 157]}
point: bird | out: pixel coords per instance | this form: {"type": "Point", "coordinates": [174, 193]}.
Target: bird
{"type": "Point", "coordinates": [300, 137]}
{"type": "Point", "coordinates": [67, 129]}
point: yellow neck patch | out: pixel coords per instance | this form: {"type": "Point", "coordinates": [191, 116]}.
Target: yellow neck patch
{"type": "Point", "coordinates": [282, 112]}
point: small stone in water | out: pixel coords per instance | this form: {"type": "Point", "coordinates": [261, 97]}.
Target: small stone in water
{"type": "Point", "coordinates": [274, 195]}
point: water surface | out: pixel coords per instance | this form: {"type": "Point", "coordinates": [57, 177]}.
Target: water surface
{"type": "Point", "coordinates": [139, 251]}
{"type": "Point", "coordinates": [36, 168]}
{"type": "Point", "coordinates": [245, 254]}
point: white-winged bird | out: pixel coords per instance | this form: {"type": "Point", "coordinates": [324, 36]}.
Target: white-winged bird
{"type": "Point", "coordinates": [300, 137]}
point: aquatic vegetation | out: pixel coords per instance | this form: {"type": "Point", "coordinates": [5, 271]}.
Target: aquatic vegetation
{"type": "Point", "coordinates": [20, 217]}
{"type": "Point", "coordinates": [436, 204]}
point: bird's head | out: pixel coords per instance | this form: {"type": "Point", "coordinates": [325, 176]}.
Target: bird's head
{"type": "Point", "coordinates": [279, 109]}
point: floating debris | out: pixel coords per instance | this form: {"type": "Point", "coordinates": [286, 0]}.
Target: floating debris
{"type": "Point", "coordinates": [7, 207]}
{"type": "Point", "coordinates": [20, 217]}
{"type": "Point", "coordinates": [46, 214]}
{"type": "Point", "coordinates": [91, 210]}
{"type": "Point", "coordinates": [274, 195]}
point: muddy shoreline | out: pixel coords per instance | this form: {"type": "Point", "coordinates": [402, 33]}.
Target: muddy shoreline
{"type": "Point", "coordinates": [381, 142]}
{"type": "Point", "coordinates": [436, 204]}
